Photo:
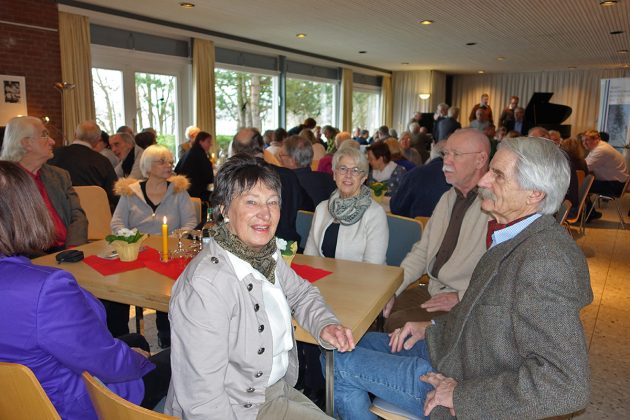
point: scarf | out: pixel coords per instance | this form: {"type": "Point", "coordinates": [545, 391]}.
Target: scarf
{"type": "Point", "coordinates": [348, 211]}
{"type": "Point", "coordinates": [385, 173]}
{"type": "Point", "coordinates": [262, 260]}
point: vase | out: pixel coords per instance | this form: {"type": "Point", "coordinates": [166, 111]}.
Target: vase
{"type": "Point", "coordinates": [128, 252]}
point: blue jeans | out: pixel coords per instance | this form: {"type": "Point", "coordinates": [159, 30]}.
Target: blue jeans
{"type": "Point", "coordinates": [372, 368]}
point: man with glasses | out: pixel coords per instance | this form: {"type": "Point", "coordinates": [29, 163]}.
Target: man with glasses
{"type": "Point", "coordinates": [453, 240]}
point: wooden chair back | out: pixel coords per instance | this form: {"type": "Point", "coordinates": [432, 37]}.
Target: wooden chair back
{"type": "Point", "coordinates": [197, 205]}
{"type": "Point", "coordinates": [563, 212]}
{"type": "Point", "coordinates": [303, 226]}
{"type": "Point", "coordinates": [403, 234]}
{"type": "Point", "coordinates": [96, 206]}
{"type": "Point", "coordinates": [423, 220]}
{"type": "Point", "coordinates": [580, 216]}
{"type": "Point", "coordinates": [21, 395]}
{"type": "Point", "coordinates": [108, 405]}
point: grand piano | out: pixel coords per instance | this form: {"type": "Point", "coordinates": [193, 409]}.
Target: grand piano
{"type": "Point", "coordinates": [541, 112]}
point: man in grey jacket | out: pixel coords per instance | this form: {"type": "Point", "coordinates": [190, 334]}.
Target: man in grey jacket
{"type": "Point", "coordinates": [514, 346]}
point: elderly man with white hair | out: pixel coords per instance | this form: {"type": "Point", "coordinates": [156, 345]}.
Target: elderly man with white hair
{"type": "Point", "coordinates": [514, 347]}
{"type": "Point", "coordinates": [190, 134]}
{"type": "Point", "coordinates": [129, 153]}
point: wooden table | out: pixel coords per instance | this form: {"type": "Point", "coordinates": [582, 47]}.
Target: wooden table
{"type": "Point", "coordinates": [356, 292]}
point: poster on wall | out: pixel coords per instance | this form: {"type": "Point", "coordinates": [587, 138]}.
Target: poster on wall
{"type": "Point", "coordinates": [614, 111]}
{"type": "Point", "coordinates": [13, 101]}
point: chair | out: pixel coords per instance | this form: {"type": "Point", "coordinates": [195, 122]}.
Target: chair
{"type": "Point", "coordinates": [197, 205]}
{"type": "Point", "coordinates": [108, 405]}
{"type": "Point", "coordinates": [580, 176]}
{"type": "Point", "coordinates": [616, 200]}
{"type": "Point", "coordinates": [389, 411]}
{"type": "Point", "coordinates": [21, 395]}
{"type": "Point", "coordinates": [403, 234]}
{"type": "Point", "coordinates": [582, 195]}
{"type": "Point", "coordinates": [94, 202]}
{"type": "Point", "coordinates": [303, 226]}
{"type": "Point", "coordinates": [423, 220]}
{"type": "Point", "coordinates": [563, 212]}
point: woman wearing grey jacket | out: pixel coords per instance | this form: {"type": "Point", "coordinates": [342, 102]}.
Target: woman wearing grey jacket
{"type": "Point", "coordinates": [233, 351]}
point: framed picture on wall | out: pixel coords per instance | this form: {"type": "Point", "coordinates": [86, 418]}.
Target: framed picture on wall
{"type": "Point", "coordinates": [13, 100]}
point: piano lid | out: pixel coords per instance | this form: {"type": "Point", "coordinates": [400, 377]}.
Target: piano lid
{"type": "Point", "coordinates": [540, 111]}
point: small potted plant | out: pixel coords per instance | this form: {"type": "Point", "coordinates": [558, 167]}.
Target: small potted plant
{"type": "Point", "coordinates": [127, 243]}
{"type": "Point", "coordinates": [288, 249]}
{"type": "Point", "coordinates": [378, 190]}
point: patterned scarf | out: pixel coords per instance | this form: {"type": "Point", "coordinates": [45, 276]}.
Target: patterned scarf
{"type": "Point", "coordinates": [348, 211]}
{"type": "Point", "coordinates": [262, 260]}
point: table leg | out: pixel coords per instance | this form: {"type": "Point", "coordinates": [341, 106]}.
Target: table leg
{"type": "Point", "coordinates": [330, 383]}
{"type": "Point", "coordinates": [139, 320]}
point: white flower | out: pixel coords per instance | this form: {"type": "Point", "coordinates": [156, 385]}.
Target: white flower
{"type": "Point", "coordinates": [127, 232]}
{"type": "Point", "coordinates": [281, 243]}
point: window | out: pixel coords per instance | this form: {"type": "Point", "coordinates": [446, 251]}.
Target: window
{"type": "Point", "coordinates": [244, 99]}
{"type": "Point", "coordinates": [366, 110]}
{"type": "Point", "coordinates": [309, 98]}
{"type": "Point", "coordinates": [156, 96]}
{"type": "Point", "coordinates": [108, 98]}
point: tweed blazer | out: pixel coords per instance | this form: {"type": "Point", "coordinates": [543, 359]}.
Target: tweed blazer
{"type": "Point", "coordinates": [221, 342]}
{"type": "Point", "coordinates": [66, 202]}
{"type": "Point", "coordinates": [515, 343]}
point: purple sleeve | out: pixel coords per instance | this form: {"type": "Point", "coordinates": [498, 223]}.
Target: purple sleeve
{"type": "Point", "coordinates": [71, 327]}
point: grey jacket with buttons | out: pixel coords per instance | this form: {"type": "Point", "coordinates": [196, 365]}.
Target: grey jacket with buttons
{"type": "Point", "coordinates": [221, 358]}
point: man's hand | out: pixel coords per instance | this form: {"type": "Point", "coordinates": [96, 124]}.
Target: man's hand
{"type": "Point", "coordinates": [407, 336]}
{"type": "Point", "coordinates": [442, 302]}
{"type": "Point", "coordinates": [338, 336]}
{"type": "Point", "coordinates": [441, 395]}
{"type": "Point", "coordinates": [387, 310]}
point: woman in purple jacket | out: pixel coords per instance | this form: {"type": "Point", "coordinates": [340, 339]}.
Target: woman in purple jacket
{"type": "Point", "coordinates": [52, 325]}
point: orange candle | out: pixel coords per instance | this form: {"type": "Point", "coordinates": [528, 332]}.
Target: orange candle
{"type": "Point", "coordinates": [164, 240]}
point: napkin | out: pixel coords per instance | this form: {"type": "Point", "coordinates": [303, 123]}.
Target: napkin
{"type": "Point", "coordinates": [309, 273]}
{"type": "Point", "coordinates": [107, 267]}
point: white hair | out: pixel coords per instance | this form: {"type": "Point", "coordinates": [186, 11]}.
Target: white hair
{"type": "Point", "coordinates": [540, 166]}
{"type": "Point", "coordinates": [18, 128]}
{"type": "Point", "coordinates": [152, 154]}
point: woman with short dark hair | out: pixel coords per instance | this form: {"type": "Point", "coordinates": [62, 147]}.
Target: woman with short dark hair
{"type": "Point", "coordinates": [233, 350]}
{"type": "Point", "coordinates": [52, 325]}
{"type": "Point", "coordinates": [383, 168]}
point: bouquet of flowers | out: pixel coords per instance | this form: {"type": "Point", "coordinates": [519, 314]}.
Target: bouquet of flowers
{"type": "Point", "coordinates": [287, 249]}
{"type": "Point", "coordinates": [127, 235]}
{"type": "Point", "coordinates": [378, 189]}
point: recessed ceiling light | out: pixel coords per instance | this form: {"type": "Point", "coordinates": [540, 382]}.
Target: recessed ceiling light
{"type": "Point", "coordinates": [471, 43]}
{"type": "Point", "coordinates": [300, 35]}
{"type": "Point", "coordinates": [480, 71]}
{"type": "Point", "coordinates": [622, 51]}
{"type": "Point", "coordinates": [572, 67]}
{"type": "Point", "coordinates": [425, 22]}
{"type": "Point", "coordinates": [362, 52]}
{"type": "Point", "coordinates": [500, 58]}
{"type": "Point", "coordinates": [404, 64]}
{"type": "Point", "coordinates": [616, 32]}
{"type": "Point", "coordinates": [187, 5]}
{"type": "Point", "coordinates": [607, 3]}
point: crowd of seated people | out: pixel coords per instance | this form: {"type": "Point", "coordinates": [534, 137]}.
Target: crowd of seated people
{"type": "Point", "coordinates": [466, 182]}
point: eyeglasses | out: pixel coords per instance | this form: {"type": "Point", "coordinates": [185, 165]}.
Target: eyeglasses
{"type": "Point", "coordinates": [355, 172]}
{"type": "Point", "coordinates": [164, 162]}
{"type": "Point", "coordinates": [455, 154]}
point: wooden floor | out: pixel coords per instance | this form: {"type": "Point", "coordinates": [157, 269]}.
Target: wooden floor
{"type": "Point", "coordinates": [606, 320]}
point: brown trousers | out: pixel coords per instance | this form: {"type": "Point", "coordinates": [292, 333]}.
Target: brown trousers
{"type": "Point", "coordinates": [407, 308]}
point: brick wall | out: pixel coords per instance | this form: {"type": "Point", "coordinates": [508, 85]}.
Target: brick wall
{"type": "Point", "coordinates": [33, 52]}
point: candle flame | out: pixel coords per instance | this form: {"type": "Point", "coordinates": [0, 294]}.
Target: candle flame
{"type": "Point", "coordinates": [164, 220]}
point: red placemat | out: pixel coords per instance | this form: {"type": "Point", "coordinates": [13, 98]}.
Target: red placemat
{"type": "Point", "coordinates": [171, 268]}
{"type": "Point", "coordinates": [107, 267]}
{"type": "Point", "coordinates": [309, 273]}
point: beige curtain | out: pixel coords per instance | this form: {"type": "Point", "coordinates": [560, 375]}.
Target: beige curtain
{"type": "Point", "coordinates": [76, 68]}
{"type": "Point", "coordinates": [387, 103]}
{"type": "Point", "coordinates": [578, 89]}
{"type": "Point", "coordinates": [346, 100]}
{"type": "Point", "coordinates": [203, 85]}
{"type": "Point", "coordinates": [407, 85]}
{"type": "Point", "coordinates": [438, 89]}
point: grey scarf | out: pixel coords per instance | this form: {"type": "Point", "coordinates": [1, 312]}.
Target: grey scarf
{"type": "Point", "coordinates": [348, 211]}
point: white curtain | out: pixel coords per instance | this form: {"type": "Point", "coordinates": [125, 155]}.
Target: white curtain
{"type": "Point", "coordinates": [578, 89]}
{"type": "Point", "coordinates": [407, 85]}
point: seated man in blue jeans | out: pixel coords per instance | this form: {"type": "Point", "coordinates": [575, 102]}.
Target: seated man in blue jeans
{"type": "Point", "coordinates": [514, 346]}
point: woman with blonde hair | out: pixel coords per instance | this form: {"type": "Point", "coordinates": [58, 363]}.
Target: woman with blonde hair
{"type": "Point", "coordinates": [397, 155]}
{"type": "Point", "coordinates": [318, 150]}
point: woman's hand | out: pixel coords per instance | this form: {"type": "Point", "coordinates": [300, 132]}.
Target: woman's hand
{"type": "Point", "coordinates": [338, 336]}
{"type": "Point", "coordinates": [407, 336]}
